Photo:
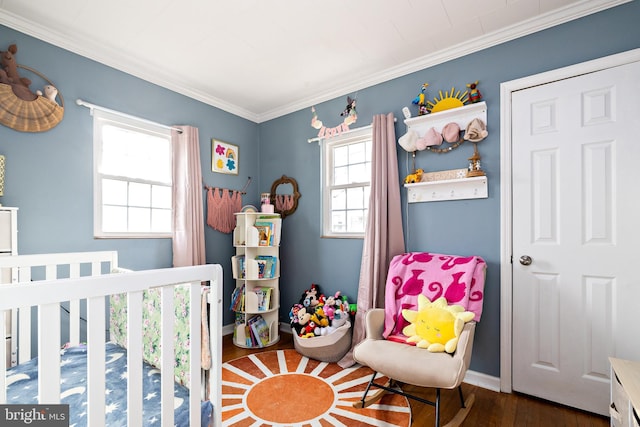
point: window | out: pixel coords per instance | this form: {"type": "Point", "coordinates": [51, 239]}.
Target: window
{"type": "Point", "coordinates": [132, 177]}
{"type": "Point", "coordinates": [346, 184]}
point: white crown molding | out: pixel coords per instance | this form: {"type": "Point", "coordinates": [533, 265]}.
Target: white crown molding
{"type": "Point", "coordinates": [542, 22]}
{"type": "Point", "coordinates": [115, 59]}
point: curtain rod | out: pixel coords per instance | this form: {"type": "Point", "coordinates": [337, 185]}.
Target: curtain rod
{"type": "Point", "coordinates": [92, 107]}
{"type": "Point", "coordinates": [243, 191]}
{"type": "Point", "coordinates": [320, 138]}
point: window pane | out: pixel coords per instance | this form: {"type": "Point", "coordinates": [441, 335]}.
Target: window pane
{"type": "Point", "coordinates": [341, 175]}
{"type": "Point", "coordinates": [161, 197]}
{"type": "Point", "coordinates": [134, 172]}
{"type": "Point", "coordinates": [139, 220]}
{"type": "Point", "coordinates": [338, 199]}
{"type": "Point", "coordinates": [341, 156]}
{"type": "Point", "coordinates": [357, 153]}
{"type": "Point", "coordinates": [338, 222]}
{"type": "Point", "coordinates": [114, 192]}
{"type": "Point", "coordinates": [355, 198]}
{"type": "Point", "coordinates": [114, 219]}
{"type": "Point", "coordinates": [355, 221]}
{"type": "Point", "coordinates": [357, 173]}
{"type": "Point", "coordinates": [161, 220]}
{"type": "Point", "coordinates": [135, 154]}
{"type": "Point", "coordinates": [346, 188]}
{"type": "Point", "coordinates": [139, 194]}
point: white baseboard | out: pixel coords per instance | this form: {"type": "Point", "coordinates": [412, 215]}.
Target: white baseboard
{"type": "Point", "coordinates": [482, 380]}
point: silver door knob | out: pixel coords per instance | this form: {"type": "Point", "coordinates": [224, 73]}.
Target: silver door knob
{"type": "Point", "coordinates": [525, 260]}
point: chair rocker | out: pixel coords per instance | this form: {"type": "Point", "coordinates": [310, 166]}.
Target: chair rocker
{"type": "Point", "coordinates": [408, 364]}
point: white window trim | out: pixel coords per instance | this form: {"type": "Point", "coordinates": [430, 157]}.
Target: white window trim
{"type": "Point", "coordinates": [364, 133]}
{"type": "Point", "coordinates": [100, 118]}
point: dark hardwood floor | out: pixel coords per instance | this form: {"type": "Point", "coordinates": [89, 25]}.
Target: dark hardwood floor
{"type": "Point", "coordinates": [490, 408]}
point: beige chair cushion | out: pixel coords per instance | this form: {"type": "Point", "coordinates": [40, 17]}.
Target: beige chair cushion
{"type": "Point", "coordinates": [410, 364]}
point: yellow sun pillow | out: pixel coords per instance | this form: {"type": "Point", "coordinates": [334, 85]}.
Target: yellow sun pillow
{"type": "Point", "coordinates": [436, 325]}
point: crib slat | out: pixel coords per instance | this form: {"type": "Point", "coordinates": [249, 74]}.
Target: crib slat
{"type": "Point", "coordinates": [24, 323]}
{"type": "Point", "coordinates": [96, 268]}
{"type": "Point", "coordinates": [24, 275]}
{"type": "Point", "coordinates": [215, 329]}
{"type": "Point", "coordinates": [74, 322]}
{"type": "Point", "coordinates": [195, 301]}
{"type": "Point", "coordinates": [49, 354]}
{"type": "Point", "coordinates": [134, 358]}
{"type": "Point", "coordinates": [24, 332]}
{"type": "Point", "coordinates": [96, 362]}
{"type": "Point", "coordinates": [74, 310]}
{"type": "Point", "coordinates": [167, 356]}
{"type": "Point", "coordinates": [51, 272]}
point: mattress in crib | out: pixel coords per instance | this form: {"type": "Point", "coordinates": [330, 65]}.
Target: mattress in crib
{"type": "Point", "coordinates": [22, 388]}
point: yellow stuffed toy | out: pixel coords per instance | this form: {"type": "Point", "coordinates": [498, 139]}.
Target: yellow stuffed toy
{"type": "Point", "coordinates": [436, 325]}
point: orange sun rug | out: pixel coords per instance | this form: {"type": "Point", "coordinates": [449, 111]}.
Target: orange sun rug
{"type": "Point", "coordinates": [284, 388]}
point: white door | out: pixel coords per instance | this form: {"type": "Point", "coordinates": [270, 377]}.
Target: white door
{"type": "Point", "coordinates": [576, 197]}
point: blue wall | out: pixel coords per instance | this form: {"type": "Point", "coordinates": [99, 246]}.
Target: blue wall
{"type": "Point", "coordinates": [49, 175]}
{"type": "Point", "coordinates": [462, 227]}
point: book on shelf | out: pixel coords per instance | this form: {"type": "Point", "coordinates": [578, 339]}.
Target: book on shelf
{"type": "Point", "coordinates": [264, 234]}
{"type": "Point", "coordinates": [267, 266]}
{"type": "Point", "coordinates": [262, 264]}
{"type": "Point", "coordinates": [264, 297]}
{"type": "Point", "coordinates": [269, 228]}
{"type": "Point", "coordinates": [237, 299]}
{"type": "Point", "coordinates": [241, 319]}
{"type": "Point", "coordinates": [260, 330]}
{"type": "Point", "coordinates": [241, 267]}
{"type": "Point", "coordinates": [248, 336]}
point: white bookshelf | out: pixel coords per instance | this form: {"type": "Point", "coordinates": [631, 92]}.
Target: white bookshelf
{"type": "Point", "coordinates": [249, 275]}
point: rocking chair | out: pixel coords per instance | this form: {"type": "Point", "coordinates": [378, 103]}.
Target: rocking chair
{"type": "Point", "coordinates": [385, 350]}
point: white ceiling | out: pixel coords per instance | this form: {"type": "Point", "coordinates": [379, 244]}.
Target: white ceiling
{"type": "Point", "coordinates": [262, 59]}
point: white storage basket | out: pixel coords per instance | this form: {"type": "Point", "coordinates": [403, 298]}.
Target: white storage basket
{"type": "Point", "coordinates": [326, 348]}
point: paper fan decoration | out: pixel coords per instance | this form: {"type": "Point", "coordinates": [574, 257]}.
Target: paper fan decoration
{"type": "Point", "coordinates": [38, 115]}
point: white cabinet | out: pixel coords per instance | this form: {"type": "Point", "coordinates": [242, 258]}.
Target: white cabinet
{"type": "Point", "coordinates": [8, 231]}
{"type": "Point", "coordinates": [625, 393]}
{"type": "Point", "coordinates": [8, 246]}
{"type": "Point", "coordinates": [256, 270]}
{"type": "Point", "coordinates": [448, 189]}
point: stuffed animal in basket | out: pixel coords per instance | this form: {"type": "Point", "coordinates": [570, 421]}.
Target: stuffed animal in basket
{"type": "Point", "coordinates": [340, 318]}
{"type": "Point", "coordinates": [325, 314]}
{"type": "Point", "coordinates": [300, 319]}
{"type": "Point", "coordinates": [331, 304]}
{"type": "Point", "coordinates": [319, 318]}
{"type": "Point", "coordinates": [311, 297]}
{"type": "Point", "coordinates": [308, 331]}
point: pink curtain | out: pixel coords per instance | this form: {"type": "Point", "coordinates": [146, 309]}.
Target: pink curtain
{"type": "Point", "coordinates": [188, 217]}
{"type": "Point", "coordinates": [384, 238]}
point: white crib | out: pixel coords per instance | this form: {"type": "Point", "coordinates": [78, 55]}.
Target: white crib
{"type": "Point", "coordinates": [46, 281]}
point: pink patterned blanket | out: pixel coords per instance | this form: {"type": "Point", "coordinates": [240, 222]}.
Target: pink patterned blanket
{"type": "Point", "coordinates": [459, 279]}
